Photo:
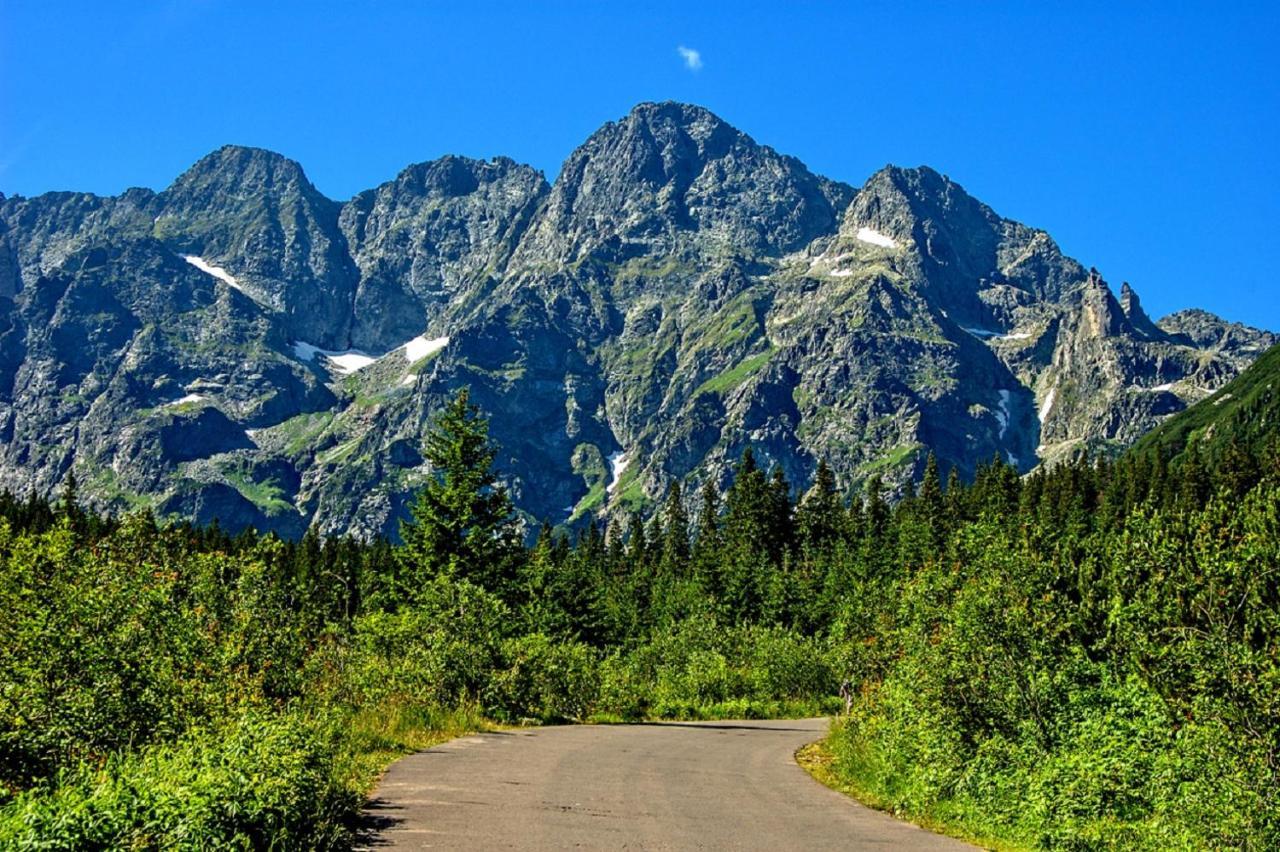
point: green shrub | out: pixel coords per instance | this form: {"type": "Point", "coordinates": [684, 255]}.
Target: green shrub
{"type": "Point", "coordinates": [262, 781]}
{"type": "Point", "coordinates": [544, 680]}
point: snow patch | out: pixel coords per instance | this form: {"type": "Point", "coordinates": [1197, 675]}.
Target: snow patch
{"type": "Point", "coordinates": [349, 361]}
{"type": "Point", "coordinates": [875, 238]}
{"type": "Point", "coordinates": [1011, 458]}
{"type": "Point", "coordinates": [1047, 406]}
{"type": "Point", "coordinates": [1165, 387]}
{"type": "Point", "coordinates": [420, 347]}
{"type": "Point", "coordinates": [983, 332]}
{"type": "Point", "coordinates": [830, 261]}
{"type": "Point", "coordinates": [191, 397]}
{"type": "Point", "coordinates": [1002, 416]}
{"type": "Point", "coordinates": [216, 271]}
{"type": "Point", "coordinates": [618, 463]}
{"type": "Point", "coordinates": [840, 273]}
{"type": "Point", "coordinates": [344, 362]}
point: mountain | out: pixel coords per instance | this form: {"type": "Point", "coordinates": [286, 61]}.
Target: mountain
{"type": "Point", "coordinates": [238, 346]}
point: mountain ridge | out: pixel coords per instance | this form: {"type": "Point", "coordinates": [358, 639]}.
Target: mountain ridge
{"type": "Point", "coordinates": [678, 293]}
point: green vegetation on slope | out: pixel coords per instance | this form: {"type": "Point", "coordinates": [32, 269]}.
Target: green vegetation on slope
{"type": "Point", "coordinates": [1086, 658]}
{"type": "Point", "coordinates": [1245, 413]}
{"type": "Point", "coordinates": [733, 377]}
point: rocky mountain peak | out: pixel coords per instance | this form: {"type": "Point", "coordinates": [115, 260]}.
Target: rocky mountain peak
{"type": "Point", "coordinates": [1103, 316]}
{"type": "Point", "coordinates": [254, 214]}
{"type": "Point", "coordinates": [938, 236]}
{"type": "Point", "coordinates": [436, 235]}
{"type": "Point", "coordinates": [898, 199]}
{"type": "Point", "coordinates": [241, 171]}
{"type": "Point", "coordinates": [668, 176]}
{"type": "Point", "coordinates": [452, 176]}
{"type": "Point", "coordinates": [1131, 305]}
{"type": "Point", "coordinates": [698, 121]}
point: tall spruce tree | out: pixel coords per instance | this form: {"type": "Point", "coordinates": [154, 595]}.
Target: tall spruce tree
{"type": "Point", "coordinates": [675, 534]}
{"type": "Point", "coordinates": [462, 522]}
{"type": "Point", "coordinates": [818, 517]}
{"type": "Point", "coordinates": [707, 542]}
{"type": "Point", "coordinates": [748, 560]}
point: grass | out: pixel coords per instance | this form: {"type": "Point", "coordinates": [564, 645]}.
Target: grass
{"type": "Point", "coordinates": [590, 501]}
{"type": "Point", "coordinates": [650, 268]}
{"type": "Point", "coordinates": [379, 736]}
{"type": "Point", "coordinates": [737, 322]}
{"type": "Point", "coordinates": [106, 485]}
{"type": "Point", "coordinates": [267, 496]}
{"type": "Point", "coordinates": [820, 761]}
{"type": "Point", "coordinates": [340, 452]}
{"type": "Point", "coordinates": [630, 491]}
{"type": "Point", "coordinates": [732, 378]}
{"type": "Point", "coordinates": [418, 366]}
{"type": "Point", "coordinates": [897, 456]}
{"type": "Point", "coordinates": [302, 430]}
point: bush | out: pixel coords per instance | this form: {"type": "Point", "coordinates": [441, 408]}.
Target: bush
{"type": "Point", "coordinates": [441, 653]}
{"type": "Point", "coordinates": [262, 781]}
{"type": "Point", "coordinates": [544, 680]}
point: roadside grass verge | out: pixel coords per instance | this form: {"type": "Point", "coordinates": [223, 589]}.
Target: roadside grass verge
{"type": "Point", "coordinates": [377, 737]}
{"type": "Point", "coordinates": [822, 762]}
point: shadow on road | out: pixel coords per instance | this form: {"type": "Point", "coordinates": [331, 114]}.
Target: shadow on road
{"type": "Point", "coordinates": [376, 818]}
{"type": "Point", "coordinates": [735, 726]}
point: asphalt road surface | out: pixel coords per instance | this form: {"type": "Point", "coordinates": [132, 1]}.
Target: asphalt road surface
{"type": "Point", "coordinates": [703, 785]}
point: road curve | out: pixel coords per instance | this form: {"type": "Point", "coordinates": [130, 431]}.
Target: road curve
{"type": "Point", "coordinates": [703, 785]}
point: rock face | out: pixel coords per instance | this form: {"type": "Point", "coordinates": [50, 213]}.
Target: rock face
{"type": "Point", "coordinates": [240, 347]}
{"type": "Point", "coordinates": [433, 241]}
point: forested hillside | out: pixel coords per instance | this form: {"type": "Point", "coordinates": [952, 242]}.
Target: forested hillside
{"type": "Point", "coordinates": [1085, 657]}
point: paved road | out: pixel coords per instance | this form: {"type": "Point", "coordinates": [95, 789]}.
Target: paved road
{"type": "Point", "coordinates": [706, 785]}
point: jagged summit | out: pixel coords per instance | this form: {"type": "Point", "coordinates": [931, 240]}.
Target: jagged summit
{"type": "Point", "coordinates": [234, 166]}
{"type": "Point", "coordinates": [1133, 311]}
{"type": "Point", "coordinates": [453, 175]}
{"type": "Point", "coordinates": [667, 170]}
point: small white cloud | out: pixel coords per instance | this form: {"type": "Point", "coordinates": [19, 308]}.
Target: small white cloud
{"type": "Point", "coordinates": [692, 58]}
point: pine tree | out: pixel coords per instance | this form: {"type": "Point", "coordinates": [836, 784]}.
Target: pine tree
{"type": "Point", "coordinates": [535, 604]}
{"type": "Point", "coordinates": [781, 516]}
{"type": "Point", "coordinates": [957, 510]}
{"type": "Point", "coordinates": [69, 504]}
{"type": "Point", "coordinates": [707, 543]}
{"type": "Point", "coordinates": [462, 522]}
{"type": "Point", "coordinates": [932, 510]}
{"type": "Point", "coordinates": [1194, 487]}
{"type": "Point", "coordinates": [930, 495]}
{"type": "Point", "coordinates": [818, 516]}
{"type": "Point", "coordinates": [874, 555]}
{"type": "Point", "coordinates": [748, 559]}
{"type": "Point", "coordinates": [675, 542]}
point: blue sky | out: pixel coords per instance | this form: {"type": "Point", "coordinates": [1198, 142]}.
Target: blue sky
{"type": "Point", "coordinates": [1143, 139]}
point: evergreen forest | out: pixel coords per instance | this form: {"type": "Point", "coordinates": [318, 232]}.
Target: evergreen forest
{"type": "Point", "coordinates": [1084, 657]}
